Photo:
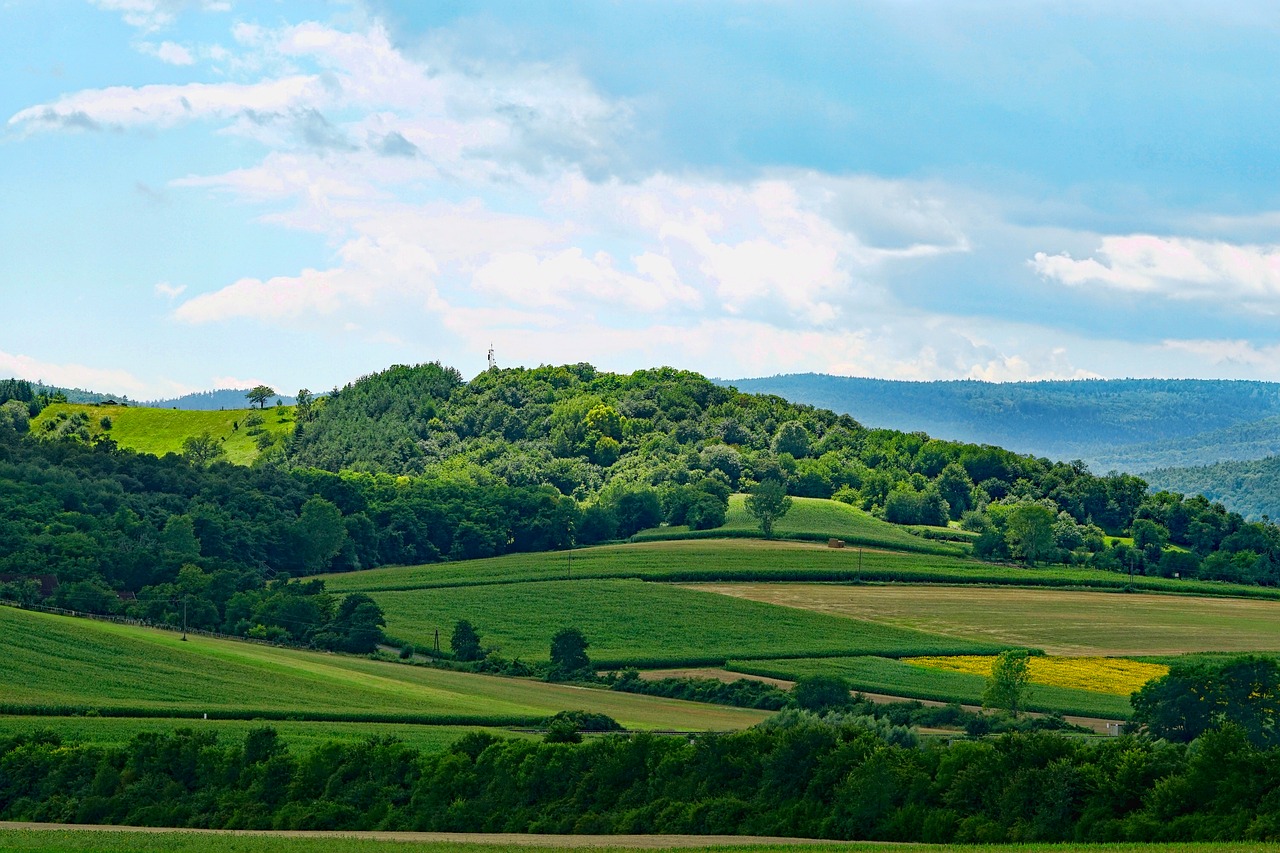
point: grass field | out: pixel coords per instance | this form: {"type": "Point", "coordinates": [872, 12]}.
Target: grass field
{"type": "Point", "coordinates": [755, 560]}
{"type": "Point", "coordinates": [1062, 622]}
{"type": "Point", "coordinates": [639, 623]}
{"type": "Point", "coordinates": [882, 675]}
{"type": "Point", "coordinates": [814, 518]}
{"type": "Point", "coordinates": [161, 431]}
{"type": "Point", "coordinates": [111, 840]}
{"type": "Point", "coordinates": [301, 737]}
{"type": "Point", "coordinates": [55, 661]}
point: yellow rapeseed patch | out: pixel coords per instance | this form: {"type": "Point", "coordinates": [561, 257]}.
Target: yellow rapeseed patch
{"type": "Point", "coordinates": [1101, 675]}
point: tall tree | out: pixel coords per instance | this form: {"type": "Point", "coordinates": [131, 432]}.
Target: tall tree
{"type": "Point", "coordinates": [259, 394]}
{"type": "Point", "coordinates": [1008, 682]}
{"type": "Point", "coordinates": [767, 503]}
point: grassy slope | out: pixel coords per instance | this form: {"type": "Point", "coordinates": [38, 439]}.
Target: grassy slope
{"type": "Point", "coordinates": [881, 675]}
{"type": "Point", "coordinates": [115, 841]}
{"type": "Point", "coordinates": [161, 431]}
{"type": "Point", "coordinates": [633, 622]}
{"type": "Point", "coordinates": [60, 661]}
{"type": "Point", "coordinates": [814, 518]}
{"type": "Point", "coordinates": [748, 559]}
{"type": "Point", "coordinates": [301, 737]}
{"type": "Point", "coordinates": [1062, 622]}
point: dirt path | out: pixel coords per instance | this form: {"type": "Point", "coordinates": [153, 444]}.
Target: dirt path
{"type": "Point", "coordinates": [637, 842]}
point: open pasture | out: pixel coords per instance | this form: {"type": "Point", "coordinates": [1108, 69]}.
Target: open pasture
{"type": "Point", "coordinates": [1062, 622]}
{"type": "Point", "coordinates": [726, 560]}
{"type": "Point", "coordinates": [57, 661]}
{"type": "Point", "coordinates": [896, 678]}
{"type": "Point", "coordinates": [300, 736]}
{"type": "Point", "coordinates": [161, 431]}
{"type": "Point", "coordinates": [632, 622]}
{"type": "Point", "coordinates": [814, 518]}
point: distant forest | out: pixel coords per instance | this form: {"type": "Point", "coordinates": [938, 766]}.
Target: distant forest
{"type": "Point", "coordinates": [212, 401]}
{"type": "Point", "coordinates": [1131, 425]}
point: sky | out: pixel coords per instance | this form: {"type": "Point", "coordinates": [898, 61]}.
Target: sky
{"type": "Point", "coordinates": [200, 194]}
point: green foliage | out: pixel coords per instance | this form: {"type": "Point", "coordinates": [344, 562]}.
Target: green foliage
{"type": "Point", "coordinates": [569, 653]}
{"type": "Point", "coordinates": [464, 642]}
{"type": "Point", "coordinates": [1006, 688]}
{"type": "Point", "coordinates": [740, 693]}
{"type": "Point", "coordinates": [821, 693]}
{"type": "Point", "coordinates": [1197, 696]}
{"type": "Point", "coordinates": [845, 776]}
{"type": "Point", "coordinates": [260, 394]}
{"type": "Point", "coordinates": [767, 503]}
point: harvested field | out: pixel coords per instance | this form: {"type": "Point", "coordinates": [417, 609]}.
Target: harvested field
{"type": "Point", "coordinates": [1062, 622]}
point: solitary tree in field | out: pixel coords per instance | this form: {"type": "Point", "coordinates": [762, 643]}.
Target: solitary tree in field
{"type": "Point", "coordinates": [1008, 681]}
{"type": "Point", "coordinates": [465, 642]}
{"type": "Point", "coordinates": [767, 503]}
{"type": "Point", "coordinates": [569, 651]}
{"type": "Point", "coordinates": [259, 394]}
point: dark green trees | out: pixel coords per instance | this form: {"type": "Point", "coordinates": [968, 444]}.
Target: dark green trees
{"type": "Point", "coordinates": [767, 503]}
{"type": "Point", "coordinates": [465, 642]}
{"type": "Point", "coordinates": [1196, 697]}
{"type": "Point", "coordinates": [569, 653]}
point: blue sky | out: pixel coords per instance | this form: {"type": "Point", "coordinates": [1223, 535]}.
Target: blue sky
{"type": "Point", "coordinates": [208, 193]}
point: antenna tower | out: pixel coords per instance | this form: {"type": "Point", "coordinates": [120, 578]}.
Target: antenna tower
{"type": "Point", "coordinates": [493, 362]}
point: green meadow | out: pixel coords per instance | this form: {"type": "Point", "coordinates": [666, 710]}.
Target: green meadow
{"type": "Point", "coordinates": [60, 665]}
{"type": "Point", "coordinates": [813, 518]}
{"type": "Point", "coordinates": [712, 560]}
{"type": "Point", "coordinates": [161, 431]}
{"type": "Point", "coordinates": [631, 622]}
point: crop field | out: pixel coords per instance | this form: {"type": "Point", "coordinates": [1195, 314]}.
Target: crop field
{"type": "Point", "coordinates": [632, 622]}
{"type": "Point", "coordinates": [113, 840]}
{"type": "Point", "coordinates": [815, 518]}
{"type": "Point", "coordinates": [1062, 622]}
{"type": "Point", "coordinates": [55, 662]}
{"type": "Point", "coordinates": [161, 431]}
{"type": "Point", "coordinates": [896, 678]}
{"type": "Point", "coordinates": [692, 561]}
{"type": "Point", "coordinates": [1100, 675]}
{"type": "Point", "coordinates": [301, 737]}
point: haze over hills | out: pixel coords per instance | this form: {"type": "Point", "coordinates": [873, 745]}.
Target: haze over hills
{"type": "Point", "coordinates": [212, 401]}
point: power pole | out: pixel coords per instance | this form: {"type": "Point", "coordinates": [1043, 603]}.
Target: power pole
{"type": "Point", "coordinates": [184, 618]}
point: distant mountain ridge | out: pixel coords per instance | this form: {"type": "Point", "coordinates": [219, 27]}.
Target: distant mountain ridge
{"type": "Point", "coordinates": [213, 401]}
{"type": "Point", "coordinates": [1189, 435]}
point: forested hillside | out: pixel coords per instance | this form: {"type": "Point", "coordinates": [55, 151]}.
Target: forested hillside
{"type": "Point", "coordinates": [1251, 487]}
{"type": "Point", "coordinates": [1131, 425]}
{"type": "Point", "coordinates": [415, 465]}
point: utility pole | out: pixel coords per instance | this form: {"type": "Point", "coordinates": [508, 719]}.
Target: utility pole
{"type": "Point", "coordinates": [184, 617]}
{"type": "Point", "coordinates": [570, 564]}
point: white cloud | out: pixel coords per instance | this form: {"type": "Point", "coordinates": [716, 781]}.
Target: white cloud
{"type": "Point", "coordinates": [171, 291]}
{"type": "Point", "coordinates": [1177, 268]}
{"type": "Point", "coordinates": [103, 380]}
{"type": "Point", "coordinates": [168, 52]}
{"type": "Point", "coordinates": [1229, 353]}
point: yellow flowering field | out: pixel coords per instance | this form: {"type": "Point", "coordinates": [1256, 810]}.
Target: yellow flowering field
{"type": "Point", "coordinates": [1101, 675]}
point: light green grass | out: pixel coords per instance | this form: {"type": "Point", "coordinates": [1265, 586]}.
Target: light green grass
{"type": "Point", "coordinates": [813, 518]}
{"type": "Point", "coordinates": [127, 841]}
{"type": "Point", "coordinates": [637, 623]}
{"type": "Point", "coordinates": [1062, 622]}
{"type": "Point", "coordinates": [882, 675]}
{"type": "Point", "coordinates": [58, 662]}
{"type": "Point", "coordinates": [161, 431]}
{"type": "Point", "coordinates": [301, 737]}
{"type": "Point", "coordinates": [757, 560]}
